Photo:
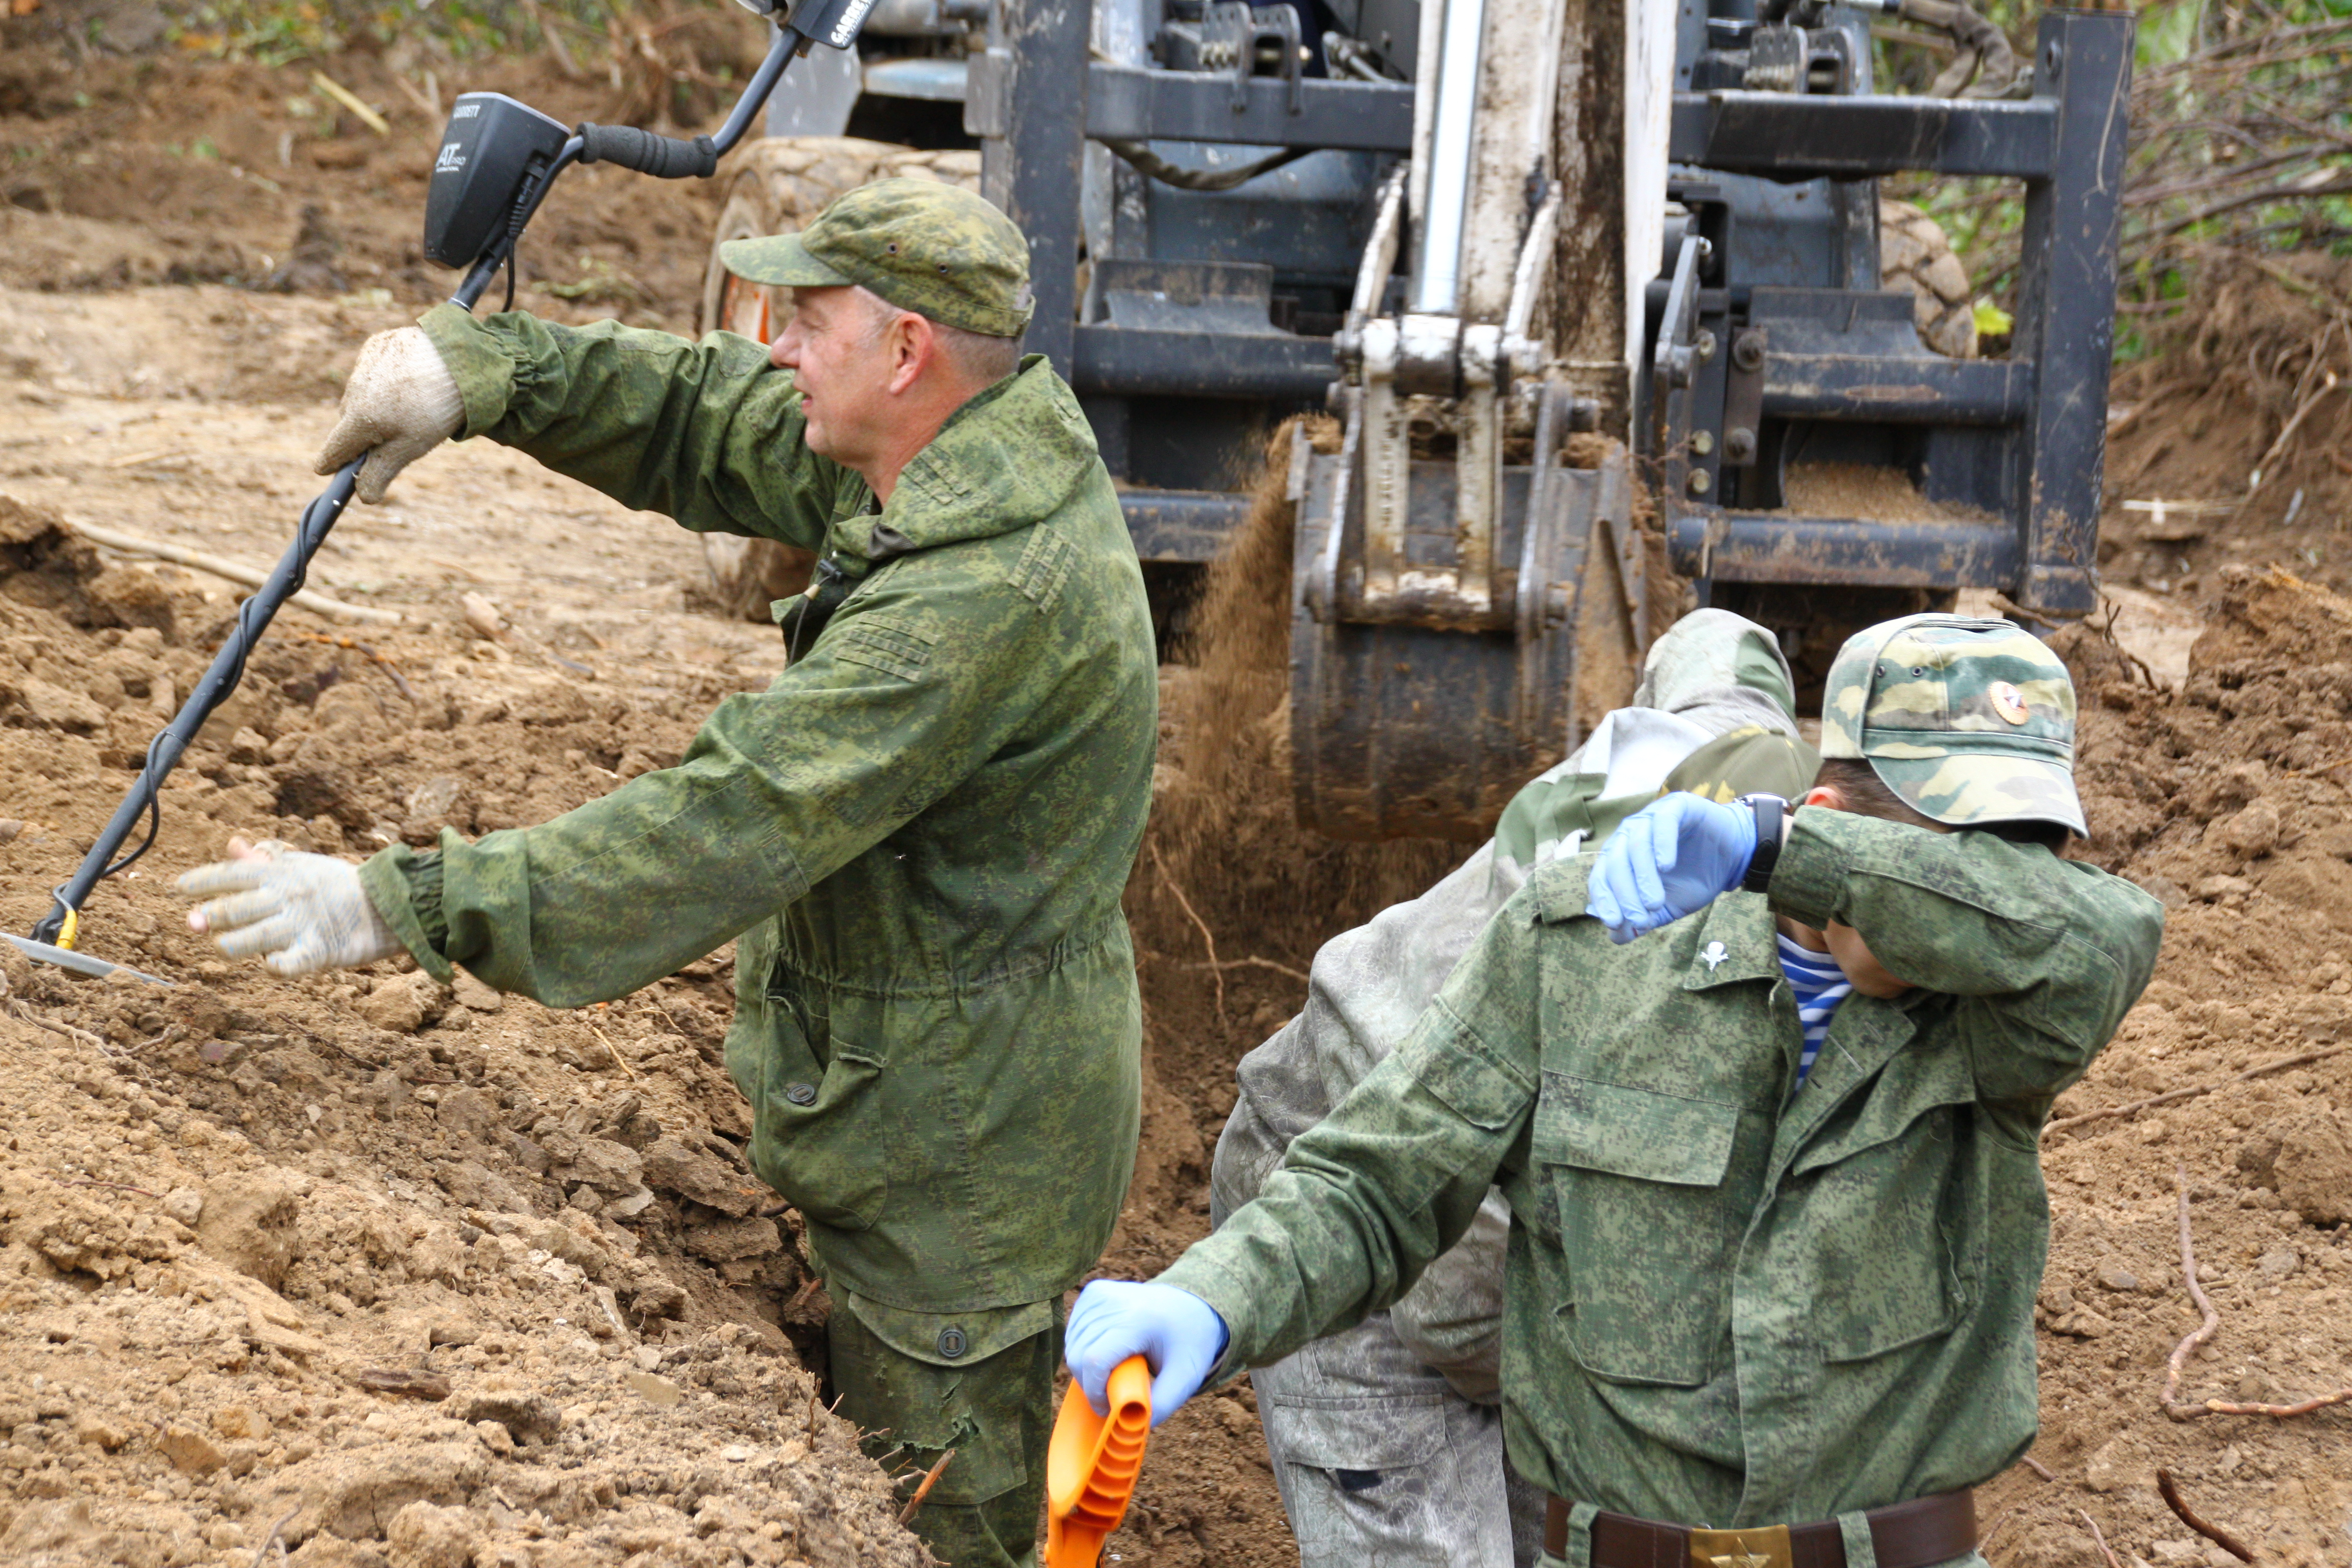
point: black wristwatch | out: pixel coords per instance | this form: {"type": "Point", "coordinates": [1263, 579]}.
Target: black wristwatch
{"type": "Point", "coordinates": [1772, 812]}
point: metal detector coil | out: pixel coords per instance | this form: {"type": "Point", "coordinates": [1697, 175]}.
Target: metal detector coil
{"type": "Point", "coordinates": [494, 145]}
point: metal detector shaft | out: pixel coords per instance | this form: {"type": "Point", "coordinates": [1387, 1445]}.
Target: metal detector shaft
{"type": "Point", "coordinates": [253, 616]}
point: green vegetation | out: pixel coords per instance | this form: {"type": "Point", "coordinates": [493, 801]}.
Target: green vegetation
{"type": "Point", "coordinates": [2242, 141]}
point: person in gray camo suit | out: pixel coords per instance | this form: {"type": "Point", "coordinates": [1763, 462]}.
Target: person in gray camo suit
{"type": "Point", "coordinates": [1387, 1438]}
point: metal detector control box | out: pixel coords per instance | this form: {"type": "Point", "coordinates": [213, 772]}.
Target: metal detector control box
{"type": "Point", "coordinates": [493, 144]}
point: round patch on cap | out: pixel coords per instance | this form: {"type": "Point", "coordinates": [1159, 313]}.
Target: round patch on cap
{"type": "Point", "coordinates": [2008, 701]}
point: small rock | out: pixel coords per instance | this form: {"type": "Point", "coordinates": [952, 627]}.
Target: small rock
{"type": "Point", "coordinates": [251, 1221]}
{"type": "Point", "coordinates": [497, 1439]}
{"type": "Point", "coordinates": [2108, 1468]}
{"type": "Point", "coordinates": [2315, 1168]}
{"type": "Point", "coordinates": [57, 708]}
{"type": "Point", "coordinates": [677, 1166]}
{"type": "Point", "coordinates": [729, 1240]}
{"type": "Point", "coordinates": [2114, 1276]}
{"type": "Point", "coordinates": [97, 1432]}
{"type": "Point", "coordinates": [2215, 888]}
{"type": "Point", "coordinates": [191, 1453]}
{"type": "Point", "coordinates": [2163, 889]}
{"type": "Point", "coordinates": [398, 1004]}
{"type": "Point", "coordinates": [604, 1164]}
{"type": "Point", "coordinates": [241, 1423]}
{"type": "Point", "coordinates": [9, 828]}
{"type": "Point", "coordinates": [248, 746]}
{"type": "Point", "coordinates": [2255, 831]}
{"type": "Point", "coordinates": [475, 996]}
{"type": "Point", "coordinates": [425, 1536]}
{"type": "Point", "coordinates": [735, 1453]}
{"type": "Point", "coordinates": [2277, 1266]}
{"type": "Point", "coordinates": [658, 1391]}
{"type": "Point", "coordinates": [628, 1206]}
{"type": "Point", "coordinates": [528, 1417]}
{"type": "Point", "coordinates": [185, 1205]}
{"type": "Point", "coordinates": [2255, 1386]}
{"type": "Point", "coordinates": [2154, 1130]}
{"type": "Point", "coordinates": [2178, 1552]}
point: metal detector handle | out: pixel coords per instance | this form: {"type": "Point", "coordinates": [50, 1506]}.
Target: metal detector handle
{"type": "Point", "coordinates": [662, 157]}
{"type": "Point", "coordinates": [253, 616]}
{"type": "Point", "coordinates": [163, 753]}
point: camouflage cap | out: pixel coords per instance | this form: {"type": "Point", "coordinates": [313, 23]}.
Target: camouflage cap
{"type": "Point", "coordinates": [936, 249]}
{"type": "Point", "coordinates": [1970, 721]}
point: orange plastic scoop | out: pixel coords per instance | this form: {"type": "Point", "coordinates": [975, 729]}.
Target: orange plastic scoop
{"type": "Point", "coordinates": [1091, 1466]}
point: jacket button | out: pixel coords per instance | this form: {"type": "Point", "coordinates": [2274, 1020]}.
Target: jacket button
{"type": "Point", "coordinates": [953, 1343]}
{"type": "Point", "coordinates": [800, 1093]}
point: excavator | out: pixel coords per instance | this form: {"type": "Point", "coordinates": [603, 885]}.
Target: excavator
{"type": "Point", "coordinates": [1602, 297]}
{"type": "Point", "coordinates": [1594, 289]}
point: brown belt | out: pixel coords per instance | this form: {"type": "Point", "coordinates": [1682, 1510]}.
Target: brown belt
{"type": "Point", "coordinates": [1915, 1534]}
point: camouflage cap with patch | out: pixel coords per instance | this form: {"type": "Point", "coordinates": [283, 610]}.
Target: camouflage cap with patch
{"type": "Point", "coordinates": [1970, 721]}
{"type": "Point", "coordinates": [936, 249]}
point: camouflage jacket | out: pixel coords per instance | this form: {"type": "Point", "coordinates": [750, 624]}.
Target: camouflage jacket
{"type": "Point", "coordinates": [1712, 675]}
{"type": "Point", "coordinates": [919, 831]}
{"type": "Point", "coordinates": [1724, 1304]}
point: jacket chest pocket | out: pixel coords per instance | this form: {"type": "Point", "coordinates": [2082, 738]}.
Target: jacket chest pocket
{"type": "Point", "coordinates": [1646, 1231]}
{"type": "Point", "coordinates": [1892, 1219]}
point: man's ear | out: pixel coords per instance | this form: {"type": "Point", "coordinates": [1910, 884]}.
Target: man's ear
{"type": "Point", "coordinates": [1829, 798]}
{"type": "Point", "coordinates": [912, 347]}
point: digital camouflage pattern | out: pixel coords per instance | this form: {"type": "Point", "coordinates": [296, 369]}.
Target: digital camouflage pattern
{"type": "Point", "coordinates": [919, 831]}
{"type": "Point", "coordinates": [1726, 1303]}
{"type": "Point", "coordinates": [933, 248]}
{"type": "Point", "coordinates": [1386, 1441]}
{"type": "Point", "coordinates": [1972, 721]}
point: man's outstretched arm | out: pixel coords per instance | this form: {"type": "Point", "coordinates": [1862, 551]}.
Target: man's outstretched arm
{"type": "Point", "coordinates": [1366, 1198]}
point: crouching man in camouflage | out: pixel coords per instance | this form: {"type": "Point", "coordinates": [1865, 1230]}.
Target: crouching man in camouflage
{"type": "Point", "coordinates": [1387, 1438]}
{"type": "Point", "coordinates": [919, 832]}
{"type": "Point", "coordinates": [1778, 1219]}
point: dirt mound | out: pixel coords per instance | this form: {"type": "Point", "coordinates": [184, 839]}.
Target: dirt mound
{"type": "Point", "coordinates": [431, 1277]}
{"type": "Point", "coordinates": [118, 172]}
{"type": "Point", "coordinates": [2223, 799]}
{"type": "Point", "coordinates": [2252, 377]}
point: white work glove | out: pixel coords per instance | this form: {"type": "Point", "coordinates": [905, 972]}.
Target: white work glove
{"type": "Point", "coordinates": [303, 911]}
{"type": "Point", "coordinates": [402, 401]}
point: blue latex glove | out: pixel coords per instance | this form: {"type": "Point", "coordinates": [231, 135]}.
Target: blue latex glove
{"type": "Point", "coordinates": [1676, 855]}
{"type": "Point", "coordinates": [1180, 1335]}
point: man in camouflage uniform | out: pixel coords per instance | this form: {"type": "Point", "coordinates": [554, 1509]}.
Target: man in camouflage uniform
{"type": "Point", "coordinates": [1387, 1438]}
{"type": "Point", "coordinates": [1772, 1263]}
{"type": "Point", "coordinates": [919, 832]}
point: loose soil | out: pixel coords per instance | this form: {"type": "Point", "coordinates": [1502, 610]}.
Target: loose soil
{"type": "Point", "coordinates": [246, 1225]}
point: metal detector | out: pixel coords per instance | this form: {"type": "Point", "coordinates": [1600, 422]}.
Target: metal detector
{"type": "Point", "coordinates": [497, 160]}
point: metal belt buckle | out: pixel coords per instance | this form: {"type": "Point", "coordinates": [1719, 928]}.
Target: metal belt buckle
{"type": "Point", "coordinates": [1766, 1546]}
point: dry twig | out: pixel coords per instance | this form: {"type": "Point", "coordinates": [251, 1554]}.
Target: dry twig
{"type": "Point", "coordinates": [271, 1539]}
{"type": "Point", "coordinates": [232, 571]}
{"type": "Point", "coordinates": [2212, 1532]}
{"type": "Point", "coordinates": [115, 1186]}
{"type": "Point", "coordinates": [611, 1049]}
{"type": "Point", "coordinates": [2065, 1123]}
{"type": "Point", "coordinates": [2037, 1466]}
{"type": "Point", "coordinates": [2100, 1536]}
{"type": "Point", "coordinates": [370, 655]}
{"type": "Point", "coordinates": [1216, 970]}
{"type": "Point", "coordinates": [1298, 974]}
{"type": "Point", "coordinates": [930, 1480]}
{"type": "Point", "coordinates": [2204, 1331]}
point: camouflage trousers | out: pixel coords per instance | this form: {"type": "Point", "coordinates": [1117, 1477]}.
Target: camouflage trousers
{"type": "Point", "coordinates": [1381, 1460]}
{"type": "Point", "coordinates": [997, 1413]}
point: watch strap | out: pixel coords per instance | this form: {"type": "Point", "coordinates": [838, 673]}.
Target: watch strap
{"type": "Point", "coordinates": [1771, 813]}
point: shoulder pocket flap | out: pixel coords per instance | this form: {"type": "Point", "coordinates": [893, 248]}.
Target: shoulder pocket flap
{"type": "Point", "coordinates": [1562, 887]}
{"type": "Point", "coordinates": [1459, 1072]}
{"type": "Point", "coordinates": [878, 645]}
{"type": "Point", "coordinates": [1636, 1132]}
{"type": "Point", "coordinates": [1909, 1085]}
{"type": "Point", "coordinates": [1359, 1434]}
